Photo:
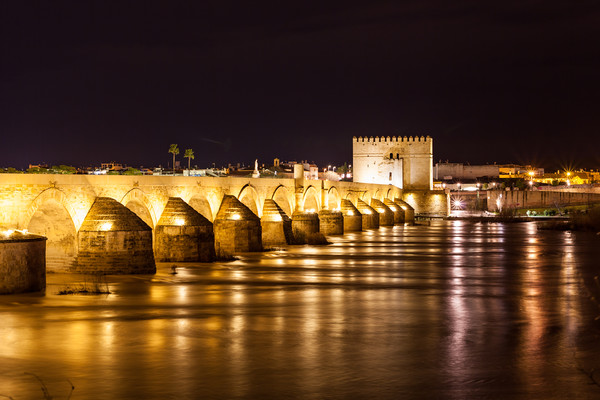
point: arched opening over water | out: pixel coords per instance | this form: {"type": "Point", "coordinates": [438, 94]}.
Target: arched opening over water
{"type": "Point", "coordinates": [282, 198]}
{"type": "Point", "coordinates": [137, 201]}
{"type": "Point", "coordinates": [249, 197]}
{"type": "Point", "coordinates": [333, 198]}
{"type": "Point", "coordinates": [202, 205]}
{"type": "Point", "coordinates": [365, 196]}
{"type": "Point", "coordinates": [51, 219]}
{"type": "Point", "coordinates": [141, 211]}
{"type": "Point", "coordinates": [311, 200]}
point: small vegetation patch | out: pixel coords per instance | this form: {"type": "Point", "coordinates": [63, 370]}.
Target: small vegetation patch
{"type": "Point", "coordinates": [95, 285]}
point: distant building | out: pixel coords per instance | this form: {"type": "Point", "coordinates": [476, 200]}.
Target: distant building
{"type": "Point", "coordinates": [451, 171]}
{"type": "Point", "coordinates": [111, 166]}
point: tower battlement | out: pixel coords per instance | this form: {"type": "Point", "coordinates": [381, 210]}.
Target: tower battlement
{"type": "Point", "coordinates": [391, 139]}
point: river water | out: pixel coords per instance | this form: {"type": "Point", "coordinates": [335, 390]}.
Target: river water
{"type": "Point", "coordinates": [454, 310]}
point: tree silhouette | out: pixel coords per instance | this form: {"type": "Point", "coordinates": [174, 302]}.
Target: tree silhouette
{"type": "Point", "coordinates": [189, 154]}
{"type": "Point", "coordinates": [175, 150]}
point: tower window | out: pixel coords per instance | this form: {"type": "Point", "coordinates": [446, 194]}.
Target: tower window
{"type": "Point", "coordinates": [391, 156]}
{"type": "Point", "coordinates": [390, 176]}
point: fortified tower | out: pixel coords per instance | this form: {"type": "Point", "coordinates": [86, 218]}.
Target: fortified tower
{"type": "Point", "coordinates": [405, 162]}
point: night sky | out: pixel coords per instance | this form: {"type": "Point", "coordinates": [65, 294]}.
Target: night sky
{"type": "Point", "coordinates": [94, 81]}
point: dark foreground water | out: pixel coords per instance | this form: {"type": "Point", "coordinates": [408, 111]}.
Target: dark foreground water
{"type": "Point", "coordinates": [449, 311]}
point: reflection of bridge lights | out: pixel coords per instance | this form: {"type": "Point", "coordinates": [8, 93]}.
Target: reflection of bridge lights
{"type": "Point", "coordinates": [106, 226]}
{"type": "Point", "coordinates": [180, 221]}
{"type": "Point", "coordinates": [236, 216]}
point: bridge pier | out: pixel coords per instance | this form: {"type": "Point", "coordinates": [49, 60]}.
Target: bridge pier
{"type": "Point", "coordinates": [22, 263]}
{"type": "Point", "coordinates": [396, 209]}
{"type": "Point", "coordinates": [183, 234]}
{"type": "Point", "coordinates": [409, 211]}
{"type": "Point", "coordinates": [276, 225]}
{"type": "Point", "coordinates": [304, 225]}
{"type": "Point", "coordinates": [331, 222]}
{"type": "Point", "coordinates": [386, 216]}
{"type": "Point", "coordinates": [113, 240]}
{"type": "Point", "coordinates": [352, 217]}
{"type": "Point", "coordinates": [370, 217]}
{"type": "Point", "coordinates": [237, 229]}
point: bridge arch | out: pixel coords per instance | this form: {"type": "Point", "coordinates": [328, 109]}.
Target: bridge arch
{"type": "Point", "coordinates": [352, 196]}
{"type": "Point", "coordinates": [249, 197]}
{"type": "Point", "coordinates": [310, 200]}
{"type": "Point", "coordinates": [282, 197]}
{"type": "Point", "coordinates": [334, 199]}
{"type": "Point", "coordinates": [203, 205]}
{"type": "Point", "coordinates": [389, 194]}
{"type": "Point", "coordinates": [50, 214]}
{"type": "Point", "coordinates": [366, 196]}
{"type": "Point", "coordinates": [137, 201]}
{"type": "Point", "coordinates": [378, 195]}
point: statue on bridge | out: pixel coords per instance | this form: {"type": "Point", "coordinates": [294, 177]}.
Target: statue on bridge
{"type": "Point", "coordinates": [256, 174]}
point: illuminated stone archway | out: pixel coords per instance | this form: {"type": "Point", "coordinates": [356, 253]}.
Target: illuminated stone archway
{"type": "Point", "coordinates": [366, 196]}
{"type": "Point", "coordinates": [283, 199]}
{"type": "Point", "coordinates": [202, 205]}
{"type": "Point", "coordinates": [333, 198]}
{"type": "Point", "coordinates": [310, 201]}
{"type": "Point", "coordinates": [249, 197]}
{"type": "Point", "coordinates": [50, 215]}
{"type": "Point", "coordinates": [137, 201]}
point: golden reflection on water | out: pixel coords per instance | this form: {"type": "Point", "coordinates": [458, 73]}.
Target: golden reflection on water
{"type": "Point", "coordinates": [455, 310]}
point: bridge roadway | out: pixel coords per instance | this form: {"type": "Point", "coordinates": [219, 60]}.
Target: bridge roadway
{"type": "Point", "coordinates": [57, 205]}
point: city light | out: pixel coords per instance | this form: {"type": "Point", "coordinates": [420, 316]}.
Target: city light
{"type": "Point", "coordinates": [457, 204]}
{"type": "Point", "coordinates": [106, 226]}
{"type": "Point", "coordinates": [180, 221]}
{"type": "Point", "coordinates": [236, 216]}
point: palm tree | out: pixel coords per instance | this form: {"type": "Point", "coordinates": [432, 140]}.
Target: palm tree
{"type": "Point", "coordinates": [189, 154]}
{"type": "Point", "coordinates": [175, 150]}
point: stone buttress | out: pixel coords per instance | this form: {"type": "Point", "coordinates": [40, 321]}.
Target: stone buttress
{"type": "Point", "coordinates": [114, 240]}
{"type": "Point", "coordinates": [237, 229]}
{"type": "Point", "coordinates": [370, 217]}
{"type": "Point", "coordinates": [183, 234]}
{"type": "Point", "coordinates": [352, 217]}
{"type": "Point", "coordinates": [276, 225]}
{"type": "Point", "coordinates": [386, 216]}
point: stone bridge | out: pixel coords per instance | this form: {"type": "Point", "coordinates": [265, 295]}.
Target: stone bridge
{"type": "Point", "coordinates": [60, 207]}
